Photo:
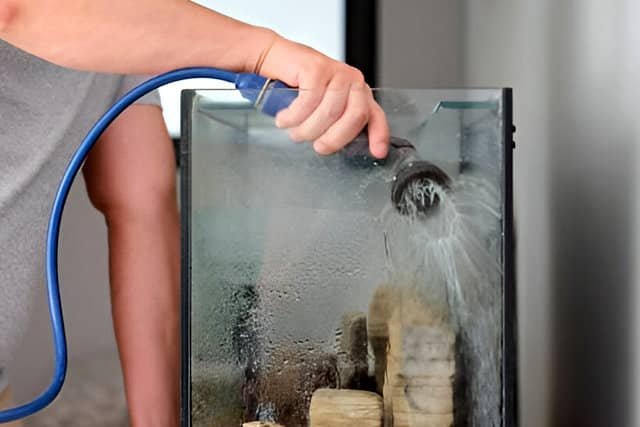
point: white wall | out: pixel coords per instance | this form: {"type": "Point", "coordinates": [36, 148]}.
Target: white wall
{"type": "Point", "coordinates": [420, 43]}
{"type": "Point", "coordinates": [573, 66]}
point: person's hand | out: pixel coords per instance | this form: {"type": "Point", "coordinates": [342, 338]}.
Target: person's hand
{"type": "Point", "coordinates": [334, 103]}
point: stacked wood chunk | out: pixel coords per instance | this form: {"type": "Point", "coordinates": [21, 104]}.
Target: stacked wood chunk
{"type": "Point", "coordinates": [384, 300]}
{"type": "Point", "coordinates": [418, 388]}
{"type": "Point", "coordinates": [345, 408]}
{"type": "Point", "coordinates": [352, 353]}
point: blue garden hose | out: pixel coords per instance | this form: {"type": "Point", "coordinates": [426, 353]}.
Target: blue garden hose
{"type": "Point", "coordinates": [253, 87]}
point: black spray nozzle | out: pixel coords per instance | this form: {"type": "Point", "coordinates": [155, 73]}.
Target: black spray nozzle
{"type": "Point", "coordinates": [417, 187]}
{"type": "Point", "coordinates": [417, 184]}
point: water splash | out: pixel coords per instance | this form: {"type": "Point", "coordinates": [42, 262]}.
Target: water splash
{"type": "Point", "coordinates": [451, 256]}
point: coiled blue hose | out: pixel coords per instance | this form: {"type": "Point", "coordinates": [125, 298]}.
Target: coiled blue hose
{"type": "Point", "coordinates": [244, 81]}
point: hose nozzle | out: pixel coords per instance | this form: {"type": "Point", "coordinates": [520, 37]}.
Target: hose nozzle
{"type": "Point", "coordinates": [417, 187]}
{"type": "Point", "coordinates": [417, 184]}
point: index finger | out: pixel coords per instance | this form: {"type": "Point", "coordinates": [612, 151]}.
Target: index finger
{"type": "Point", "coordinates": [378, 131]}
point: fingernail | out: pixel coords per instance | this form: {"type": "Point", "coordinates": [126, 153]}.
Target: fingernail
{"type": "Point", "coordinates": [320, 148]}
{"type": "Point", "coordinates": [379, 150]}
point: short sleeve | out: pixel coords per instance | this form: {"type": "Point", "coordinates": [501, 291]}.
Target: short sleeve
{"type": "Point", "coordinates": [128, 82]}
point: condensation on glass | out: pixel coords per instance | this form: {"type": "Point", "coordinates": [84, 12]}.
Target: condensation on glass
{"type": "Point", "coordinates": [302, 282]}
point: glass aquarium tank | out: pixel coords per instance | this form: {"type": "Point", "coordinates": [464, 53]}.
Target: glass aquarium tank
{"type": "Point", "coordinates": [343, 290]}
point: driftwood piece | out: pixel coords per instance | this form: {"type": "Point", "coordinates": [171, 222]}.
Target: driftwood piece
{"type": "Point", "coordinates": [352, 352]}
{"type": "Point", "coordinates": [345, 408]}
{"type": "Point", "coordinates": [384, 300]}
{"type": "Point", "coordinates": [418, 388]}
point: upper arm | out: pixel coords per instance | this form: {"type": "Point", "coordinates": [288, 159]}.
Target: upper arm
{"type": "Point", "coordinates": [8, 9]}
{"type": "Point", "coordinates": [36, 26]}
{"type": "Point", "coordinates": [133, 164]}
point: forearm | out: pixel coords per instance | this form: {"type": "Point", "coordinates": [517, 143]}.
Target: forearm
{"type": "Point", "coordinates": [124, 36]}
{"type": "Point", "coordinates": [144, 277]}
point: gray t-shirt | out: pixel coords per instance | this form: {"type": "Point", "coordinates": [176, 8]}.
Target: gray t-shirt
{"type": "Point", "coordinates": [45, 112]}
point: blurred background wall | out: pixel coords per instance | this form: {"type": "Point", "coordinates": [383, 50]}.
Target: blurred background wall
{"type": "Point", "coordinates": [574, 69]}
{"type": "Point", "coordinates": [573, 65]}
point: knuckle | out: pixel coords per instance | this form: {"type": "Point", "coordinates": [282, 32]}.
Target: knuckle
{"type": "Point", "coordinates": [309, 77]}
{"type": "Point", "coordinates": [338, 83]}
{"type": "Point", "coordinates": [321, 62]}
{"type": "Point", "coordinates": [310, 96]}
{"type": "Point", "coordinates": [356, 74]}
{"type": "Point", "coordinates": [360, 117]}
{"type": "Point", "coordinates": [315, 70]}
{"type": "Point", "coordinates": [316, 94]}
{"type": "Point", "coordinates": [360, 87]}
{"type": "Point", "coordinates": [335, 112]}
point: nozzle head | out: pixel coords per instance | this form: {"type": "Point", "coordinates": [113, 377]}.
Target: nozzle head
{"type": "Point", "coordinates": [417, 188]}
